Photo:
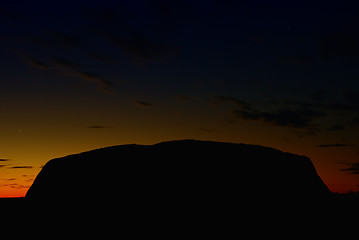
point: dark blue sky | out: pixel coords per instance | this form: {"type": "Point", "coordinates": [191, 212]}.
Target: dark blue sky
{"type": "Point", "coordinates": [82, 74]}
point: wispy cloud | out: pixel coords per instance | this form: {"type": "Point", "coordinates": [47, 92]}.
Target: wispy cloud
{"type": "Point", "coordinates": [15, 185]}
{"type": "Point", "coordinates": [106, 58]}
{"type": "Point", "coordinates": [296, 114]}
{"type": "Point", "coordinates": [32, 61]}
{"type": "Point", "coordinates": [143, 104]}
{"type": "Point", "coordinates": [66, 40]}
{"type": "Point", "coordinates": [299, 118]}
{"type": "Point", "coordinates": [335, 145]}
{"type": "Point", "coordinates": [353, 169]}
{"type": "Point", "coordinates": [68, 68]}
{"type": "Point", "coordinates": [136, 42]}
{"type": "Point", "coordinates": [3, 160]}
{"type": "Point", "coordinates": [22, 167]}
{"type": "Point", "coordinates": [336, 127]}
{"type": "Point", "coordinates": [114, 38]}
{"type": "Point", "coordinates": [183, 99]}
{"type": "Point", "coordinates": [98, 127]}
{"type": "Point", "coordinates": [61, 62]}
{"type": "Point", "coordinates": [9, 179]}
{"type": "Point", "coordinates": [206, 130]}
{"type": "Point", "coordinates": [106, 35]}
{"type": "Point", "coordinates": [103, 85]}
{"type": "Point", "coordinates": [306, 132]}
{"type": "Point", "coordinates": [219, 99]}
{"type": "Point", "coordinates": [137, 46]}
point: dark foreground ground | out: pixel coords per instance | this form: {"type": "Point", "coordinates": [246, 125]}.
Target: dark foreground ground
{"type": "Point", "coordinates": [302, 219]}
{"type": "Point", "coordinates": [340, 200]}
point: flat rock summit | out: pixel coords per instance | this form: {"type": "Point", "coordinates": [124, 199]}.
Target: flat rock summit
{"type": "Point", "coordinates": [179, 173]}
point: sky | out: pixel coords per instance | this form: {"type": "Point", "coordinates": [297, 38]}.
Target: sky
{"type": "Point", "coordinates": [80, 75]}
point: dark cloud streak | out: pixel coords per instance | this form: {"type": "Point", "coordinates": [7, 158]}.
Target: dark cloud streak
{"type": "Point", "coordinates": [143, 104]}
{"type": "Point", "coordinates": [353, 169]}
{"type": "Point", "coordinates": [336, 127]}
{"type": "Point", "coordinates": [21, 167]}
{"type": "Point", "coordinates": [105, 58]}
{"type": "Point", "coordinates": [33, 62]}
{"type": "Point", "coordinates": [98, 127]}
{"type": "Point", "coordinates": [232, 100]}
{"type": "Point", "coordinates": [334, 145]}
{"type": "Point", "coordinates": [284, 113]}
{"type": "Point", "coordinates": [103, 85]}
{"type": "Point", "coordinates": [139, 47]}
{"type": "Point", "coordinates": [64, 62]}
{"type": "Point", "coordinates": [300, 118]}
{"type": "Point", "coordinates": [67, 40]}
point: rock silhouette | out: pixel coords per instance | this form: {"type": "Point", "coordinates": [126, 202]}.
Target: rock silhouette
{"type": "Point", "coordinates": [178, 174]}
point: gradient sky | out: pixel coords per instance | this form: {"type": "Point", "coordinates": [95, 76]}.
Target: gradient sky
{"type": "Point", "coordinates": [79, 75]}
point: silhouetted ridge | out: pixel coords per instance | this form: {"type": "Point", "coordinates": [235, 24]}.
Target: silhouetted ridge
{"type": "Point", "coordinates": [179, 173]}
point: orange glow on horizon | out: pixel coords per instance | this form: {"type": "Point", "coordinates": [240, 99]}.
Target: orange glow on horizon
{"type": "Point", "coordinates": [15, 182]}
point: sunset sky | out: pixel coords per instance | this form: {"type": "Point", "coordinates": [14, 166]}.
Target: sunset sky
{"type": "Point", "coordinates": [80, 75]}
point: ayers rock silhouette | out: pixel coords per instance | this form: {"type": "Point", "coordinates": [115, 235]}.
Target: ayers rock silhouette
{"type": "Point", "coordinates": [179, 173]}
